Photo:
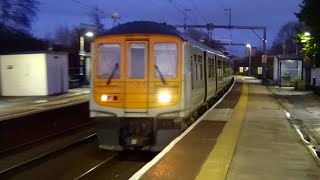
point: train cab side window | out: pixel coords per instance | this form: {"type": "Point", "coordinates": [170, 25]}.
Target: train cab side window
{"type": "Point", "coordinates": [166, 59]}
{"type": "Point", "coordinates": [108, 60]}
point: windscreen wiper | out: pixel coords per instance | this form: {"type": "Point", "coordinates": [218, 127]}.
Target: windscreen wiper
{"type": "Point", "coordinates": [161, 75]}
{"type": "Point", "coordinates": [113, 72]}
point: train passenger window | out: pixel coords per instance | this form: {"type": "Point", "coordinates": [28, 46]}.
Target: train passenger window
{"type": "Point", "coordinates": [196, 67]}
{"type": "Point", "coordinates": [165, 58]}
{"type": "Point", "coordinates": [219, 68]}
{"type": "Point", "coordinates": [209, 67]}
{"type": "Point", "coordinates": [191, 60]}
{"type": "Point", "coordinates": [200, 67]}
{"type": "Point", "coordinates": [213, 68]}
{"type": "Point", "coordinates": [108, 60]}
{"type": "Point", "coordinates": [137, 61]}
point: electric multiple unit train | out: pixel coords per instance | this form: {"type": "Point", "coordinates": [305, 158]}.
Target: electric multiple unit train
{"type": "Point", "coordinates": [150, 82]}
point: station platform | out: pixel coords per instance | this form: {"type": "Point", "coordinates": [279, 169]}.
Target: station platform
{"type": "Point", "coordinates": [11, 107]}
{"type": "Point", "coordinates": [246, 136]}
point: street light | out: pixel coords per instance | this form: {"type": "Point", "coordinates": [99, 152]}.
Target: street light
{"type": "Point", "coordinates": [307, 34]}
{"type": "Point", "coordinates": [249, 46]}
{"type": "Point", "coordinates": [82, 51]}
{"type": "Point", "coordinates": [89, 34]}
{"type": "Point", "coordinates": [82, 54]}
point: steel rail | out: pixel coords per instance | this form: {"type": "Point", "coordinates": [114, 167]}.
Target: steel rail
{"type": "Point", "coordinates": [96, 167]}
{"type": "Point", "coordinates": [45, 155]}
{"type": "Point", "coordinates": [20, 146]}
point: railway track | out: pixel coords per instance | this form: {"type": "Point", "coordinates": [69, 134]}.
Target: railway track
{"type": "Point", "coordinates": [122, 165]}
{"type": "Point", "coordinates": [30, 162]}
{"type": "Point", "coordinates": [79, 160]}
{"type": "Point", "coordinates": [21, 131]}
{"type": "Point", "coordinates": [26, 145]}
{"type": "Point", "coordinates": [87, 173]}
{"type": "Point", "coordinates": [45, 144]}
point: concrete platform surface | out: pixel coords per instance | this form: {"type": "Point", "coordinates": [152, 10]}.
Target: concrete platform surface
{"type": "Point", "coordinates": [305, 105]}
{"type": "Point", "coordinates": [268, 147]}
{"type": "Point", "coordinates": [10, 106]}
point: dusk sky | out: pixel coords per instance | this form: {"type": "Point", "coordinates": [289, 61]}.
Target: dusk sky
{"type": "Point", "coordinates": [271, 13]}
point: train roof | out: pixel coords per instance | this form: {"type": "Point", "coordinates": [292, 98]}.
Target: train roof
{"type": "Point", "coordinates": [149, 27]}
{"type": "Point", "coordinates": [144, 27]}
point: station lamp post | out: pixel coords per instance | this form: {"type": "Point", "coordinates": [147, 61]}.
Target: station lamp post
{"type": "Point", "coordinates": [306, 39]}
{"type": "Point", "coordinates": [83, 54]}
{"type": "Point", "coordinates": [249, 46]}
{"type": "Point", "coordinates": [307, 34]}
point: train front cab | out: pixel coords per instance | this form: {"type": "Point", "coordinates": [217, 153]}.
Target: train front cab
{"type": "Point", "coordinates": [137, 91]}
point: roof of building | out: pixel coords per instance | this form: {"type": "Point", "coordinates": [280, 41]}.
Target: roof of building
{"type": "Point", "coordinates": [289, 57]}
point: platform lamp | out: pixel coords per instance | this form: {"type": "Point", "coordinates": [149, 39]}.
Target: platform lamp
{"type": "Point", "coordinates": [83, 54]}
{"type": "Point", "coordinates": [249, 46]}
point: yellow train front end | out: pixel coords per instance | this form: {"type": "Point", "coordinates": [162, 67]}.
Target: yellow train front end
{"type": "Point", "coordinates": [137, 97]}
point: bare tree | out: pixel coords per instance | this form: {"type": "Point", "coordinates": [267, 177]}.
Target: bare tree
{"type": "Point", "coordinates": [96, 17]}
{"type": "Point", "coordinates": [69, 38]}
{"type": "Point", "coordinates": [18, 13]}
{"type": "Point", "coordinates": [63, 35]}
{"type": "Point", "coordinates": [285, 39]}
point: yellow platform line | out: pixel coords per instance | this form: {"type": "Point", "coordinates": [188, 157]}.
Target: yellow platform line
{"type": "Point", "coordinates": [217, 164]}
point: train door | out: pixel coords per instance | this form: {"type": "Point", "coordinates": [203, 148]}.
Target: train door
{"type": "Point", "coordinates": [205, 76]}
{"type": "Point", "coordinates": [216, 70]}
{"type": "Point", "coordinates": [136, 79]}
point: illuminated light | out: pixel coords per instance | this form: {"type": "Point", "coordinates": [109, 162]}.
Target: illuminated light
{"type": "Point", "coordinates": [164, 97]}
{"type": "Point", "coordinates": [104, 98]}
{"type": "Point", "coordinates": [89, 34]}
{"type": "Point", "coordinates": [248, 45]}
{"type": "Point", "coordinates": [307, 34]}
{"type": "Point", "coordinates": [41, 101]}
{"type": "Point", "coordinates": [288, 115]}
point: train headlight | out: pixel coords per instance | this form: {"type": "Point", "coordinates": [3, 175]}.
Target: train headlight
{"type": "Point", "coordinates": [164, 97]}
{"type": "Point", "coordinates": [105, 98]}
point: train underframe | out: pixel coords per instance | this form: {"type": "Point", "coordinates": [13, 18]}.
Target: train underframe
{"type": "Point", "coordinates": [136, 133]}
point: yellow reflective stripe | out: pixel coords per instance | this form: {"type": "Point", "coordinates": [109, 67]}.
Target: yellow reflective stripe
{"type": "Point", "coordinates": [218, 162]}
